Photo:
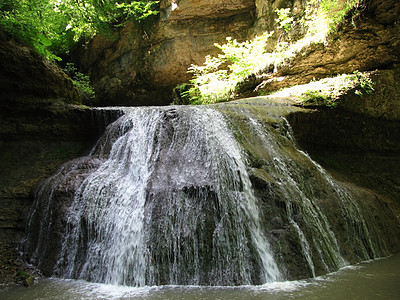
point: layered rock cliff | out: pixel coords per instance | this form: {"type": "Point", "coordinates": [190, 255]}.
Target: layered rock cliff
{"type": "Point", "coordinates": [25, 73]}
{"type": "Point", "coordinates": [366, 41]}
{"type": "Point", "coordinates": [140, 66]}
{"type": "Point", "coordinates": [40, 128]}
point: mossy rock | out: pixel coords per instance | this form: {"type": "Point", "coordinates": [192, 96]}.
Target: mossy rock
{"type": "Point", "coordinates": [24, 278]}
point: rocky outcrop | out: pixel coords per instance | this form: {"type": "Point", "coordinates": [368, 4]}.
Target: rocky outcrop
{"type": "Point", "coordinates": [187, 31]}
{"type": "Point", "coordinates": [114, 64]}
{"type": "Point", "coordinates": [39, 130]}
{"type": "Point", "coordinates": [141, 66]}
{"type": "Point", "coordinates": [384, 102]}
{"type": "Point", "coordinates": [366, 42]}
{"type": "Point", "coordinates": [25, 73]}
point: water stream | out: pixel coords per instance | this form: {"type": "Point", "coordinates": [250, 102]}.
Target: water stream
{"type": "Point", "coordinates": [378, 279]}
{"type": "Point", "coordinates": [195, 196]}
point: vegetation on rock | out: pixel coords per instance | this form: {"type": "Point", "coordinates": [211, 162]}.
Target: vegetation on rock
{"type": "Point", "coordinates": [24, 278]}
{"type": "Point", "coordinates": [214, 84]}
{"type": "Point", "coordinates": [327, 91]}
{"type": "Point", "coordinates": [82, 82]}
{"type": "Point", "coordinates": [217, 80]}
{"type": "Point", "coordinates": [54, 27]}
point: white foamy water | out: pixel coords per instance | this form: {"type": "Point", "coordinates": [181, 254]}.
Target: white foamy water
{"type": "Point", "coordinates": [377, 279]}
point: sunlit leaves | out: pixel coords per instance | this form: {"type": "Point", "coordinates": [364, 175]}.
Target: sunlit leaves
{"type": "Point", "coordinates": [218, 78]}
{"type": "Point", "coordinates": [328, 91]}
{"type": "Point", "coordinates": [138, 10]}
{"type": "Point", "coordinates": [284, 19]}
{"type": "Point", "coordinates": [55, 26]}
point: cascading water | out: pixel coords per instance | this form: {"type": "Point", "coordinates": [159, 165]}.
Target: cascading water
{"type": "Point", "coordinates": [185, 195]}
{"type": "Point", "coordinates": [212, 224]}
{"type": "Point", "coordinates": [308, 194]}
{"type": "Point", "coordinates": [169, 203]}
{"type": "Point", "coordinates": [104, 240]}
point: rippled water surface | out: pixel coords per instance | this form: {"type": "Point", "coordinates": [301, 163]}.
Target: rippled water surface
{"type": "Point", "coordinates": [379, 279]}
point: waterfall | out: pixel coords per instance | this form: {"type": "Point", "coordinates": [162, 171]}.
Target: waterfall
{"type": "Point", "coordinates": [104, 241]}
{"type": "Point", "coordinates": [308, 194]}
{"type": "Point", "coordinates": [193, 196]}
{"type": "Point", "coordinates": [143, 214]}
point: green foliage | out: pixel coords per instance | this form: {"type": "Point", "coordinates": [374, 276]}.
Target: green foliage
{"type": "Point", "coordinates": [328, 91]}
{"type": "Point", "coordinates": [363, 84]}
{"type": "Point", "coordinates": [82, 83]}
{"type": "Point", "coordinates": [137, 10]}
{"type": "Point", "coordinates": [325, 15]}
{"type": "Point", "coordinates": [181, 94]}
{"type": "Point", "coordinates": [285, 19]}
{"type": "Point", "coordinates": [53, 27]}
{"type": "Point", "coordinates": [28, 22]}
{"type": "Point", "coordinates": [318, 97]}
{"type": "Point", "coordinates": [217, 79]}
{"type": "Point", "coordinates": [337, 10]}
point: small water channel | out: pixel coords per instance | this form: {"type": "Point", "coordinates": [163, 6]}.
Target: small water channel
{"type": "Point", "coordinates": [379, 279]}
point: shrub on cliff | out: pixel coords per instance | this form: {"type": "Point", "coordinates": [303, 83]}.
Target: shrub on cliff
{"type": "Point", "coordinates": [328, 91]}
{"type": "Point", "coordinates": [81, 82]}
{"type": "Point", "coordinates": [219, 77]}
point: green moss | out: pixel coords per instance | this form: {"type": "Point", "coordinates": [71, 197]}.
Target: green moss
{"type": "Point", "coordinates": [263, 175]}
{"type": "Point", "coordinates": [318, 98]}
{"type": "Point", "coordinates": [24, 278]}
{"type": "Point", "coordinates": [329, 91]}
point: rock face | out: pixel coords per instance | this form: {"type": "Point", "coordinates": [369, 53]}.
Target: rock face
{"type": "Point", "coordinates": [25, 73]}
{"type": "Point", "coordinates": [384, 102]}
{"type": "Point", "coordinates": [141, 66]}
{"type": "Point", "coordinates": [187, 32]}
{"type": "Point", "coordinates": [367, 42]}
{"type": "Point", "coordinates": [266, 15]}
{"type": "Point", "coordinates": [39, 130]}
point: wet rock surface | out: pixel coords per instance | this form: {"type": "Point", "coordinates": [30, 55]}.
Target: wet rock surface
{"type": "Point", "coordinates": [357, 163]}
{"type": "Point", "coordinates": [196, 201]}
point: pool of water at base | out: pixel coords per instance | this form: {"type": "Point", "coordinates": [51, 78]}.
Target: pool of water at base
{"type": "Point", "coordinates": [379, 279]}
